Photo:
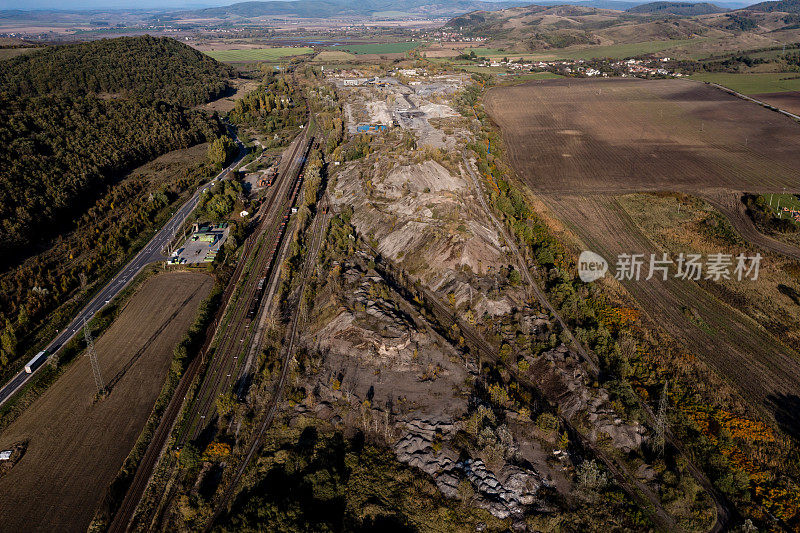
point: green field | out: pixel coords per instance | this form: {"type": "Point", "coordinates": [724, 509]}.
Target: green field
{"type": "Point", "coordinates": [782, 200]}
{"type": "Point", "coordinates": [379, 48]}
{"type": "Point", "coordinates": [331, 55]}
{"type": "Point", "coordinates": [490, 52]}
{"type": "Point", "coordinates": [754, 83]}
{"type": "Point", "coordinates": [258, 54]}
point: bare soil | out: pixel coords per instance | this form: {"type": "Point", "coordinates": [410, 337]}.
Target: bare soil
{"type": "Point", "coordinates": [788, 101]}
{"type": "Point", "coordinates": [579, 144]}
{"type": "Point", "coordinates": [76, 445]}
{"type": "Point", "coordinates": [241, 87]}
{"type": "Point", "coordinates": [627, 135]}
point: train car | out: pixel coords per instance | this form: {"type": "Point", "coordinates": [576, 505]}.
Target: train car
{"type": "Point", "coordinates": [251, 313]}
{"type": "Point", "coordinates": [36, 362]}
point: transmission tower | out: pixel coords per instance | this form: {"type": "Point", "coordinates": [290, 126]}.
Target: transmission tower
{"type": "Point", "coordinates": [90, 351]}
{"type": "Point", "coordinates": [661, 421]}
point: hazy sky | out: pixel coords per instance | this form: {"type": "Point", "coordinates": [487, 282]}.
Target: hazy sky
{"type": "Point", "coordinates": [110, 4]}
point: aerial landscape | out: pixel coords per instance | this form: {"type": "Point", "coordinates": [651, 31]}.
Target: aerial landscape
{"type": "Point", "coordinates": [399, 265]}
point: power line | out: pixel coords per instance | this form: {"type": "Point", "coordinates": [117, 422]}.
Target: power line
{"type": "Point", "coordinates": [661, 421]}
{"type": "Point", "coordinates": [90, 351]}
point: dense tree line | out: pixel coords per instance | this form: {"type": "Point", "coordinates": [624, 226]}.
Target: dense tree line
{"type": "Point", "coordinates": [745, 458]}
{"type": "Point", "coordinates": [64, 143]}
{"type": "Point", "coordinates": [221, 151]}
{"type": "Point", "coordinates": [217, 204]}
{"type": "Point", "coordinates": [149, 68]}
{"type": "Point", "coordinates": [275, 105]}
{"type": "Point", "coordinates": [57, 148]}
{"type": "Point", "coordinates": [74, 119]}
{"type": "Point", "coordinates": [36, 290]}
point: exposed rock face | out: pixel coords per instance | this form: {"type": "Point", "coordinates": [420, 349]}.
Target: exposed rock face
{"type": "Point", "coordinates": [561, 369]}
{"type": "Point", "coordinates": [505, 494]}
{"type": "Point", "coordinates": [416, 448]}
{"type": "Point", "coordinates": [423, 217]}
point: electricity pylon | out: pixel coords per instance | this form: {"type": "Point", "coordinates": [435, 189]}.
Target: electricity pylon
{"type": "Point", "coordinates": [98, 379]}
{"type": "Point", "coordinates": [661, 421]}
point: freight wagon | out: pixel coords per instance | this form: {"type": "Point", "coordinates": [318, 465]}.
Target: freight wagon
{"type": "Point", "coordinates": [251, 313]}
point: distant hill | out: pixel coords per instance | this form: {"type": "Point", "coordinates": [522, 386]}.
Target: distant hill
{"type": "Point", "coordinates": [536, 28]}
{"type": "Point", "coordinates": [785, 6]}
{"type": "Point", "coordinates": [600, 4]}
{"type": "Point", "coordinates": [145, 67]}
{"type": "Point", "coordinates": [340, 8]}
{"type": "Point", "coordinates": [678, 8]}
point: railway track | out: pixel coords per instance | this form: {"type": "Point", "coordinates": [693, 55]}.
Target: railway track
{"type": "Point", "coordinates": [318, 232]}
{"type": "Point", "coordinates": [124, 515]}
{"type": "Point", "coordinates": [625, 479]}
{"type": "Point", "coordinates": [724, 509]}
{"type": "Point", "coordinates": [233, 338]}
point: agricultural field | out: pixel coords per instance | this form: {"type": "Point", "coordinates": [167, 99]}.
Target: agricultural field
{"type": "Point", "coordinates": [581, 145]}
{"type": "Point", "coordinates": [786, 100]}
{"type": "Point", "coordinates": [619, 135]}
{"type": "Point", "coordinates": [622, 51]}
{"type": "Point", "coordinates": [754, 84]}
{"type": "Point", "coordinates": [76, 445]}
{"type": "Point", "coordinates": [258, 54]}
{"type": "Point", "coordinates": [379, 48]}
{"type": "Point", "coordinates": [334, 55]}
{"type": "Point", "coordinates": [537, 76]}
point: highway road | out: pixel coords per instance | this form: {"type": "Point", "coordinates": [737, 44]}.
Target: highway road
{"type": "Point", "coordinates": [227, 330]}
{"type": "Point", "coordinates": [152, 252]}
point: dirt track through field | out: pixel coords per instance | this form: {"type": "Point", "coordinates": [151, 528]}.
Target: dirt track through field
{"type": "Point", "coordinates": [732, 343]}
{"type": "Point", "coordinates": [579, 143]}
{"type": "Point", "coordinates": [76, 447]}
{"type": "Point", "coordinates": [731, 206]}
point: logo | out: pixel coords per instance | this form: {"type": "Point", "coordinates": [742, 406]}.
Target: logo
{"type": "Point", "coordinates": [591, 266]}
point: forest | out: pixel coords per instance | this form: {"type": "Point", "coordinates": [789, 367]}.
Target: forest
{"type": "Point", "coordinates": [274, 106]}
{"type": "Point", "coordinates": [74, 121]}
{"type": "Point", "coordinates": [148, 68]}
{"type": "Point", "coordinates": [75, 117]}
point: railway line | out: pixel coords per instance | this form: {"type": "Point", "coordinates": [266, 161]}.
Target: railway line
{"type": "Point", "coordinates": [635, 488]}
{"type": "Point", "coordinates": [724, 508]}
{"type": "Point", "coordinates": [151, 252]}
{"type": "Point", "coordinates": [234, 336]}
{"type": "Point", "coordinates": [255, 245]}
{"type": "Point", "coordinates": [317, 231]}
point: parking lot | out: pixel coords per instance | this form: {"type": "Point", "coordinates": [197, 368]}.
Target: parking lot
{"type": "Point", "coordinates": [202, 245]}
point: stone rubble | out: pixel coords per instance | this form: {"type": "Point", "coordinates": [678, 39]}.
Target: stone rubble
{"type": "Point", "coordinates": [504, 495]}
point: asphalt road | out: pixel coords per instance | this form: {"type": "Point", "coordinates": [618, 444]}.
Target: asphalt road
{"type": "Point", "coordinates": [152, 252]}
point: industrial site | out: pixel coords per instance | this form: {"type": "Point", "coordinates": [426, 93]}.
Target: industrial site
{"type": "Point", "coordinates": [321, 266]}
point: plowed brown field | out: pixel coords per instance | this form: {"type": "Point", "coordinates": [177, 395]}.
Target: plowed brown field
{"type": "Point", "coordinates": [579, 143]}
{"type": "Point", "coordinates": [77, 446]}
{"type": "Point", "coordinates": [788, 101]}
{"type": "Point", "coordinates": [628, 135]}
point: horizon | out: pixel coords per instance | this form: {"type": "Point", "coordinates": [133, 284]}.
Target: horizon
{"type": "Point", "coordinates": [156, 5]}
